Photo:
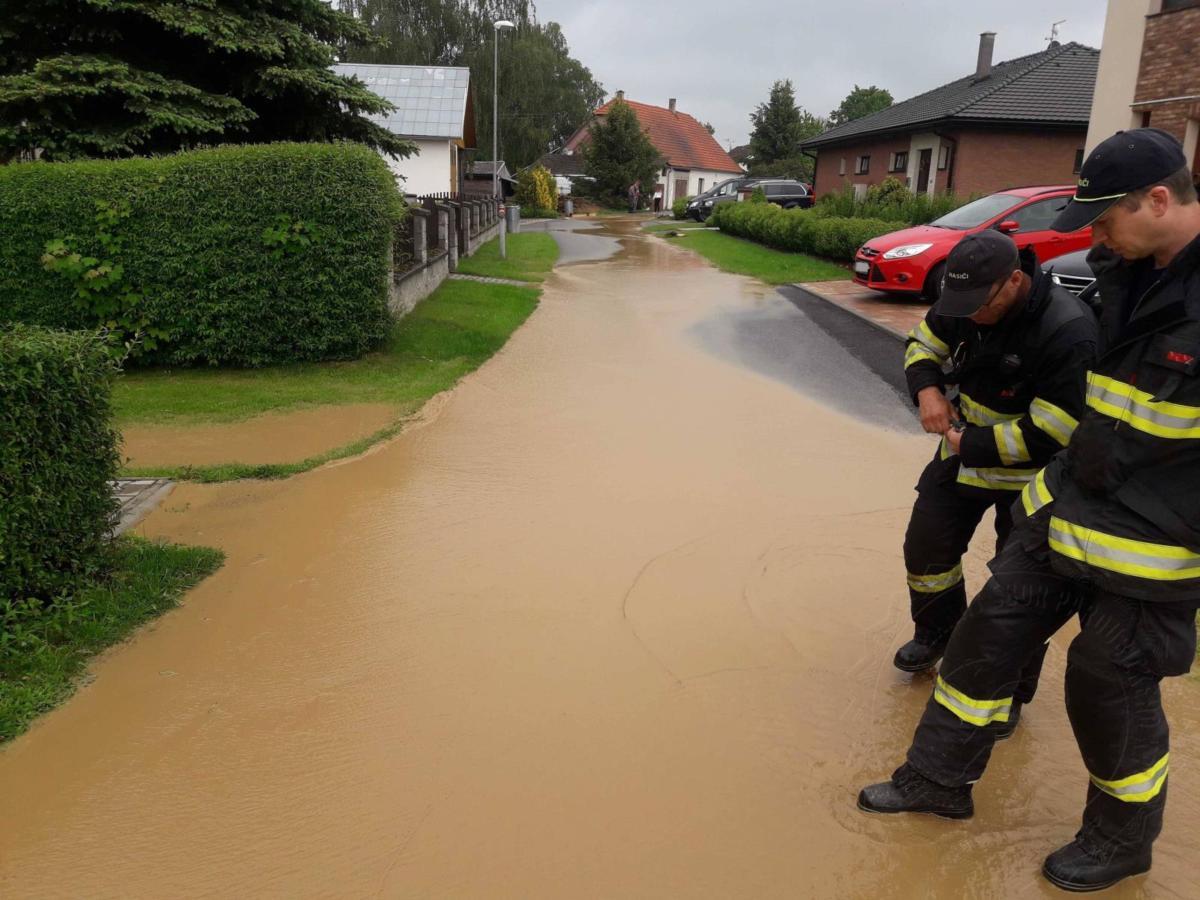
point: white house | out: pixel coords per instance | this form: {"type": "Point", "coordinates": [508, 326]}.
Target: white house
{"type": "Point", "coordinates": [434, 110]}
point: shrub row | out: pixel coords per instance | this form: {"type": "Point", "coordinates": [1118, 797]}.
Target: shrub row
{"type": "Point", "coordinates": [57, 455]}
{"type": "Point", "coordinates": [798, 230]}
{"type": "Point", "coordinates": [890, 201]}
{"type": "Point", "coordinates": [244, 255]}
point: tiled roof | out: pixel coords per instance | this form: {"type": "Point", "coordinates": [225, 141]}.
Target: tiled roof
{"type": "Point", "coordinates": [563, 163]}
{"type": "Point", "coordinates": [1051, 87]}
{"type": "Point", "coordinates": [430, 101]}
{"type": "Point", "coordinates": [683, 142]}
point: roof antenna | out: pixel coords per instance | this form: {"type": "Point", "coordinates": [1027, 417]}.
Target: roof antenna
{"type": "Point", "coordinates": [1053, 39]}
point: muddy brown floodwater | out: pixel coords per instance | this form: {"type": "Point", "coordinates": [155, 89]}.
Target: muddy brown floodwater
{"type": "Point", "coordinates": [615, 620]}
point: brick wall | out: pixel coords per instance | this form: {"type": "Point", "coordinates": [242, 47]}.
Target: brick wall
{"type": "Point", "coordinates": [829, 158]}
{"type": "Point", "coordinates": [988, 161]}
{"type": "Point", "coordinates": [1170, 67]}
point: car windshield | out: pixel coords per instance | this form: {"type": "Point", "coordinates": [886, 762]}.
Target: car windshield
{"type": "Point", "coordinates": [977, 212]}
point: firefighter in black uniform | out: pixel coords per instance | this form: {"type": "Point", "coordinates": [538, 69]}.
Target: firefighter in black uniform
{"type": "Point", "coordinates": [1016, 347]}
{"type": "Point", "coordinates": [1110, 530]}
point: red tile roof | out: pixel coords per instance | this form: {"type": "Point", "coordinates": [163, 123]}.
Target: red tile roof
{"type": "Point", "coordinates": [683, 142]}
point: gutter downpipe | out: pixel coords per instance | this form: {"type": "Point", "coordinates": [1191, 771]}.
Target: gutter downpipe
{"type": "Point", "coordinates": [953, 160]}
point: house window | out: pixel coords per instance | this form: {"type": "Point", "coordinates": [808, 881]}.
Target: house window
{"type": "Point", "coordinates": [863, 166]}
{"type": "Point", "coordinates": [899, 161]}
{"type": "Point", "coordinates": [1169, 5]}
{"type": "Point", "coordinates": [1078, 161]}
{"type": "Point", "coordinates": [700, 186]}
{"type": "Point", "coordinates": [842, 166]}
{"type": "Point", "coordinates": [1146, 119]}
{"type": "Point", "coordinates": [943, 157]}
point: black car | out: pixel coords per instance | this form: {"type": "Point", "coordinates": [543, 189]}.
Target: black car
{"type": "Point", "coordinates": [1071, 271]}
{"type": "Point", "coordinates": [785, 192]}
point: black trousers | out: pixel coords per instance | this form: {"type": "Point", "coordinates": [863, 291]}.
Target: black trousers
{"type": "Point", "coordinates": [1126, 647]}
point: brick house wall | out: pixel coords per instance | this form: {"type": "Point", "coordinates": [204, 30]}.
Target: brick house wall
{"type": "Point", "coordinates": [987, 161]}
{"type": "Point", "coordinates": [829, 180]}
{"type": "Point", "coordinates": [1170, 67]}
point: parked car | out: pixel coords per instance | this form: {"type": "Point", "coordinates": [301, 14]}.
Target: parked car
{"type": "Point", "coordinates": [702, 206]}
{"type": "Point", "coordinates": [913, 260]}
{"type": "Point", "coordinates": [787, 193]}
{"type": "Point", "coordinates": [1071, 271]}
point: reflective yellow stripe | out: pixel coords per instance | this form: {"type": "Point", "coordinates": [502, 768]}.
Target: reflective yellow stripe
{"type": "Point", "coordinates": [978, 414]}
{"type": "Point", "coordinates": [970, 710]}
{"type": "Point", "coordinates": [1054, 420]}
{"type": "Point", "coordinates": [1141, 559]}
{"type": "Point", "coordinates": [937, 582]}
{"type": "Point", "coordinates": [1137, 788]}
{"type": "Point", "coordinates": [1036, 495]}
{"type": "Point", "coordinates": [1010, 442]}
{"type": "Point", "coordinates": [945, 450]}
{"type": "Point", "coordinates": [925, 335]}
{"type": "Point", "coordinates": [916, 353]}
{"type": "Point", "coordinates": [1125, 403]}
{"type": "Point", "coordinates": [997, 478]}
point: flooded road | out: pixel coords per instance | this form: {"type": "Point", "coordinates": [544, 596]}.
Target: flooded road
{"type": "Point", "coordinates": [615, 620]}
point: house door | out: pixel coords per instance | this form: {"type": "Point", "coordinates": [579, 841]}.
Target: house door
{"type": "Point", "coordinates": [925, 161]}
{"type": "Point", "coordinates": [680, 189]}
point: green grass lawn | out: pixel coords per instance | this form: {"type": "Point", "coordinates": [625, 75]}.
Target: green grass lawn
{"type": "Point", "coordinates": [531, 256]}
{"type": "Point", "coordinates": [43, 652]}
{"type": "Point", "coordinates": [733, 254]}
{"type": "Point", "coordinates": [451, 333]}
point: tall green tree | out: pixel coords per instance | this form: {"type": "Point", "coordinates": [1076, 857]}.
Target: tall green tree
{"type": "Point", "coordinates": [862, 101]}
{"type": "Point", "coordinates": [123, 77]}
{"type": "Point", "coordinates": [780, 127]}
{"type": "Point", "coordinates": [545, 93]}
{"type": "Point", "coordinates": [618, 153]}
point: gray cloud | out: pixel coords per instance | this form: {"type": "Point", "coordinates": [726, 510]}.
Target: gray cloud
{"type": "Point", "coordinates": [719, 58]}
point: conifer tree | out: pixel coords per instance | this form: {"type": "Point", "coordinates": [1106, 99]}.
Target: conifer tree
{"type": "Point", "coordinates": [618, 153]}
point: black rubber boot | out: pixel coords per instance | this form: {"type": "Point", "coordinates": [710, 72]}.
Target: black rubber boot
{"type": "Point", "coordinates": [909, 791]}
{"type": "Point", "coordinates": [1006, 729]}
{"type": "Point", "coordinates": [1080, 868]}
{"type": "Point", "coordinates": [917, 656]}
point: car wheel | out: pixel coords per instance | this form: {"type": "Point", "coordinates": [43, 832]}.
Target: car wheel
{"type": "Point", "coordinates": [933, 283]}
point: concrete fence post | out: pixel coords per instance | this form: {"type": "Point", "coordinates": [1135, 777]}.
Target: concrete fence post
{"type": "Point", "coordinates": [452, 248]}
{"type": "Point", "coordinates": [420, 245]}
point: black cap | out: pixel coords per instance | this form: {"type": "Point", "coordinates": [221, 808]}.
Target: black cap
{"type": "Point", "coordinates": [973, 267]}
{"type": "Point", "coordinates": [1127, 161]}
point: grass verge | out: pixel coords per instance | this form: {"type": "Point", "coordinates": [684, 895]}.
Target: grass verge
{"type": "Point", "coordinates": [531, 256]}
{"type": "Point", "coordinates": [43, 652]}
{"type": "Point", "coordinates": [742, 257]}
{"type": "Point", "coordinates": [460, 326]}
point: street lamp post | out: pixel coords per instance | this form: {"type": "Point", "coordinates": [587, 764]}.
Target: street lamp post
{"type": "Point", "coordinates": [503, 23]}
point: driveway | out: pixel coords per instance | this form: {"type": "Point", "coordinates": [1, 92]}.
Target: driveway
{"type": "Point", "coordinates": [614, 620]}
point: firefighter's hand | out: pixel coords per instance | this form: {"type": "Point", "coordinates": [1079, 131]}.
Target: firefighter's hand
{"type": "Point", "coordinates": [954, 439]}
{"type": "Point", "coordinates": [936, 411]}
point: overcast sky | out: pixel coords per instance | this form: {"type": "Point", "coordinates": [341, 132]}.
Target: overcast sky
{"type": "Point", "coordinates": [720, 57]}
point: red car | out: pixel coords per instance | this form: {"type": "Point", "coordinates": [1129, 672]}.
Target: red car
{"type": "Point", "coordinates": [913, 260]}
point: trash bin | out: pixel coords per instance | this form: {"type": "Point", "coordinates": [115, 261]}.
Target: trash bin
{"type": "Point", "coordinates": [512, 219]}
{"type": "Point", "coordinates": [569, 206]}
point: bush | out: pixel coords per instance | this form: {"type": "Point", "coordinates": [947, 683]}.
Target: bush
{"type": "Point", "coordinates": [533, 212]}
{"type": "Point", "coordinates": [890, 201]}
{"type": "Point", "coordinates": [243, 255]}
{"type": "Point", "coordinates": [536, 189]}
{"type": "Point", "coordinates": [758, 195]}
{"type": "Point", "coordinates": [57, 455]}
{"type": "Point", "coordinates": [798, 230]}
{"type": "Point", "coordinates": [679, 207]}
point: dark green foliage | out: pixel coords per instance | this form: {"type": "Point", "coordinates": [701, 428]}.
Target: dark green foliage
{"type": "Point", "coordinates": [780, 127]}
{"type": "Point", "coordinates": [798, 230]}
{"type": "Point", "coordinates": [618, 153]}
{"type": "Point", "coordinates": [679, 207]}
{"type": "Point", "coordinates": [58, 451]}
{"type": "Point", "coordinates": [862, 101]}
{"type": "Point", "coordinates": [112, 78]}
{"type": "Point", "coordinates": [892, 202]}
{"type": "Point", "coordinates": [545, 94]}
{"type": "Point", "coordinates": [241, 255]}
{"type": "Point", "coordinates": [758, 195]}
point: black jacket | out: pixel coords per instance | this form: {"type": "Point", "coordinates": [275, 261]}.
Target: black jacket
{"type": "Point", "coordinates": [1123, 503]}
{"type": "Point", "coordinates": [1020, 383]}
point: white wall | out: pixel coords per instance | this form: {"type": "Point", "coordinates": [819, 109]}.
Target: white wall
{"type": "Point", "coordinates": [427, 172]}
{"type": "Point", "coordinates": [1120, 58]}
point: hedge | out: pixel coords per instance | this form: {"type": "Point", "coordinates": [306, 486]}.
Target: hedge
{"type": "Point", "coordinates": [798, 230]}
{"type": "Point", "coordinates": [57, 455]}
{"type": "Point", "coordinates": [245, 255]}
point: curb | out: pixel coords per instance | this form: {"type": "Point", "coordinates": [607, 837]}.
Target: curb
{"type": "Point", "coordinates": [886, 329]}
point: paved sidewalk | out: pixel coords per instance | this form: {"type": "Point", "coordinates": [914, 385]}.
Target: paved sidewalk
{"type": "Point", "coordinates": [484, 280]}
{"type": "Point", "coordinates": [137, 497]}
{"type": "Point", "coordinates": [895, 315]}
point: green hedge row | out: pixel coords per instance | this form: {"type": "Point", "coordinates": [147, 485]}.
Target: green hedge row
{"type": "Point", "coordinates": [245, 255]}
{"type": "Point", "coordinates": [798, 230]}
{"type": "Point", "coordinates": [58, 451]}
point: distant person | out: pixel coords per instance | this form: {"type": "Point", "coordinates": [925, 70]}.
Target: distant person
{"type": "Point", "coordinates": [1016, 347]}
{"type": "Point", "coordinates": [1110, 530]}
{"type": "Point", "coordinates": [635, 196]}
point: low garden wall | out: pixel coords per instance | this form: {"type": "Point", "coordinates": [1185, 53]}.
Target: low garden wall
{"type": "Point", "coordinates": [430, 241]}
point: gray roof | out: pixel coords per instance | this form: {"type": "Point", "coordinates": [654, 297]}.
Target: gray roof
{"type": "Point", "coordinates": [483, 168]}
{"type": "Point", "coordinates": [565, 164]}
{"type": "Point", "coordinates": [430, 101]}
{"type": "Point", "coordinates": [1053, 87]}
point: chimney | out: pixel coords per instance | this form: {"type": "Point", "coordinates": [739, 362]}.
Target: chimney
{"type": "Point", "coordinates": [620, 95]}
{"type": "Point", "coordinates": [983, 66]}
{"type": "Point", "coordinates": [671, 104]}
